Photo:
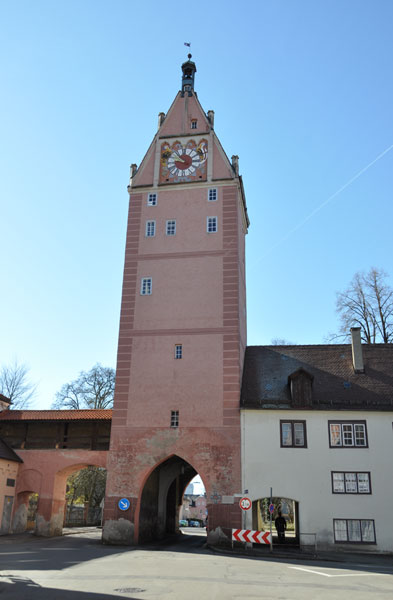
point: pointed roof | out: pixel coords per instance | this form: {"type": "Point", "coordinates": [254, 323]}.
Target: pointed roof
{"type": "Point", "coordinates": [7, 453]}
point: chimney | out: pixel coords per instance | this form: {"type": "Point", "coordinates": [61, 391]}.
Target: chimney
{"type": "Point", "coordinates": [161, 119]}
{"type": "Point", "coordinates": [357, 354]}
{"type": "Point", "coordinates": [210, 116]}
{"type": "Point", "coordinates": [4, 403]}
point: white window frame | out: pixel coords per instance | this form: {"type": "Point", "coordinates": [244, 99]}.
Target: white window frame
{"type": "Point", "coordinates": [150, 230]}
{"type": "Point", "coordinates": [194, 123]}
{"type": "Point", "coordinates": [178, 351]}
{"type": "Point", "coordinates": [152, 199]}
{"type": "Point", "coordinates": [212, 194]}
{"type": "Point", "coordinates": [354, 531]}
{"type": "Point", "coordinates": [351, 482]}
{"type": "Point", "coordinates": [174, 418]}
{"type": "Point", "coordinates": [209, 222]}
{"type": "Point", "coordinates": [170, 227]}
{"type": "Point", "coordinates": [146, 286]}
{"type": "Point", "coordinates": [348, 434]}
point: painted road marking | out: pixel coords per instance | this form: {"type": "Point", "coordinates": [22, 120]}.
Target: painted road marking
{"type": "Point", "coordinates": [340, 575]}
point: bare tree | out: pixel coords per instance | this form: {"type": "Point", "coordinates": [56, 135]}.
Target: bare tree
{"type": "Point", "coordinates": [281, 342]}
{"type": "Point", "coordinates": [15, 385]}
{"type": "Point", "coordinates": [92, 389]}
{"type": "Point", "coordinates": [367, 303]}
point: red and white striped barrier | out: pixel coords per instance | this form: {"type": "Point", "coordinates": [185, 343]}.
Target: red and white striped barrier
{"type": "Point", "coordinates": [248, 535]}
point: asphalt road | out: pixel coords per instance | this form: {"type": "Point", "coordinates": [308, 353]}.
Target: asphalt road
{"type": "Point", "coordinates": [79, 567]}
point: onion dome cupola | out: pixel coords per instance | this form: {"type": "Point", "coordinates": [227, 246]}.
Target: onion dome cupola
{"type": "Point", "coordinates": [187, 82]}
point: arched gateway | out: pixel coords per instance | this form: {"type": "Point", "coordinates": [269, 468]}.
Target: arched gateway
{"type": "Point", "coordinates": [182, 330]}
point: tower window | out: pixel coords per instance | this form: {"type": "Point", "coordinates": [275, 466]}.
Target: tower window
{"type": "Point", "coordinates": [146, 286]}
{"type": "Point", "coordinates": [152, 200]}
{"type": "Point", "coordinates": [212, 194]}
{"type": "Point", "coordinates": [178, 351]}
{"type": "Point", "coordinates": [171, 227]}
{"type": "Point", "coordinates": [150, 228]}
{"type": "Point", "coordinates": [211, 226]}
{"type": "Point", "coordinates": [194, 124]}
{"type": "Point", "coordinates": [174, 418]}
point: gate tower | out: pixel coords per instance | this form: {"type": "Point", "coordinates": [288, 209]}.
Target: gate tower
{"type": "Point", "coordinates": [182, 330]}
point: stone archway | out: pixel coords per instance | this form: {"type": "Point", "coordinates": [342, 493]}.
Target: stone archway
{"type": "Point", "coordinates": [161, 498]}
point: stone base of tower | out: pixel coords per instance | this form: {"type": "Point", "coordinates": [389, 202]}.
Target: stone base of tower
{"type": "Point", "coordinates": [151, 470]}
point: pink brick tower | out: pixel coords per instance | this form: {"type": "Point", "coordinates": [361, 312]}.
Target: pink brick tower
{"type": "Point", "coordinates": [182, 330]}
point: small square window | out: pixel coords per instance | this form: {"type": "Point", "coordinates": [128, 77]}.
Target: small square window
{"type": "Point", "coordinates": [150, 228]}
{"type": "Point", "coordinates": [211, 225]}
{"type": "Point", "coordinates": [146, 286]}
{"type": "Point", "coordinates": [178, 351]}
{"type": "Point", "coordinates": [152, 200]}
{"type": "Point", "coordinates": [10, 483]}
{"type": "Point", "coordinates": [194, 124]}
{"type": "Point", "coordinates": [171, 227]}
{"type": "Point", "coordinates": [212, 194]}
{"type": "Point", "coordinates": [293, 434]}
{"type": "Point", "coordinates": [174, 418]}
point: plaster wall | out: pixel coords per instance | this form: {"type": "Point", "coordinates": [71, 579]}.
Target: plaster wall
{"type": "Point", "coordinates": [8, 470]}
{"type": "Point", "coordinates": [304, 474]}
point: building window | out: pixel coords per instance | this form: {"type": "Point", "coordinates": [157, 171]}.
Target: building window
{"type": "Point", "coordinates": [354, 531]}
{"type": "Point", "coordinates": [348, 434]}
{"type": "Point", "coordinates": [212, 194]}
{"type": "Point", "coordinates": [150, 228]}
{"type": "Point", "coordinates": [152, 200]}
{"type": "Point", "coordinates": [293, 434]}
{"type": "Point", "coordinates": [345, 482]}
{"type": "Point", "coordinates": [194, 123]}
{"type": "Point", "coordinates": [178, 351]}
{"type": "Point", "coordinates": [211, 225]}
{"type": "Point", "coordinates": [10, 483]}
{"type": "Point", "coordinates": [146, 285]}
{"type": "Point", "coordinates": [171, 227]}
{"type": "Point", "coordinates": [174, 418]}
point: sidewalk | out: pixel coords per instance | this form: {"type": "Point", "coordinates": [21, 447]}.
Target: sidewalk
{"type": "Point", "coordinates": [28, 536]}
{"type": "Point", "coordinates": [293, 553]}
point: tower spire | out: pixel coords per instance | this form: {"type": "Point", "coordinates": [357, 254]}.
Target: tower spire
{"type": "Point", "coordinates": [187, 83]}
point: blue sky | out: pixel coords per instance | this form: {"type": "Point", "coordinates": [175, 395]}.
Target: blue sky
{"type": "Point", "coordinates": [302, 92]}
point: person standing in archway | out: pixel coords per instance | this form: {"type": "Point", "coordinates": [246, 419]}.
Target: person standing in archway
{"type": "Point", "coordinates": [281, 526]}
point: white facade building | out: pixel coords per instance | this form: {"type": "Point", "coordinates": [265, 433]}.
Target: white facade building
{"type": "Point", "coordinates": [317, 429]}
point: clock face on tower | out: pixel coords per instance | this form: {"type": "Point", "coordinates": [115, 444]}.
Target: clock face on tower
{"type": "Point", "coordinates": [183, 162]}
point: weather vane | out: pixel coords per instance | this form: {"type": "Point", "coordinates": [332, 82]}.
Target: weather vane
{"type": "Point", "coordinates": [188, 44]}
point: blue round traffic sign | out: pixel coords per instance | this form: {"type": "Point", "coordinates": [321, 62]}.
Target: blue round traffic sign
{"type": "Point", "coordinates": [271, 508]}
{"type": "Point", "coordinates": [123, 504]}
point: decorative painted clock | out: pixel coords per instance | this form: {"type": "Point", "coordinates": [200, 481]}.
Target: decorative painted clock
{"type": "Point", "coordinates": [183, 163]}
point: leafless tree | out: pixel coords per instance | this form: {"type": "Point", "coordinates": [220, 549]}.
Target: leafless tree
{"type": "Point", "coordinates": [281, 342]}
{"type": "Point", "coordinates": [92, 389]}
{"type": "Point", "coordinates": [367, 303]}
{"type": "Point", "coordinates": [15, 385]}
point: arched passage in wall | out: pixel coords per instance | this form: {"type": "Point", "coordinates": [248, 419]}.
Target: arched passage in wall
{"type": "Point", "coordinates": [289, 509]}
{"type": "Point", "coordinates": [59, 501]}
{"type": "Point", "coordinates": [161, 498]}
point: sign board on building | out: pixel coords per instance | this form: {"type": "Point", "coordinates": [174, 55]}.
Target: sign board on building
{"type": "Point", "coordinates": [123, 504]}
{"type": "Point", "coordinates": [245, 503]}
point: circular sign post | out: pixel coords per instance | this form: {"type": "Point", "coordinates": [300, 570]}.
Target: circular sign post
{"type": "Point", "coordinates": [271, 508]}
{"type": "Point", "coordinates": [245, 503]}
{"type": "Point", "coordinates": [123, 504]}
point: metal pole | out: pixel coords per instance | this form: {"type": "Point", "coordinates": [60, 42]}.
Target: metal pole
{"type": "Point", "coordinates": [271, 519]}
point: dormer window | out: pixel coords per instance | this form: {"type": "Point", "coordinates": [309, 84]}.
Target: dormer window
{"type": "Point", "coordinates": [194, 123]}
{"type": "Point", "coordinates": [300, 384]}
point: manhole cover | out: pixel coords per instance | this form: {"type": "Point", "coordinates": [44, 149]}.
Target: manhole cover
{"type": "Point", "coordinates": [129, 590]}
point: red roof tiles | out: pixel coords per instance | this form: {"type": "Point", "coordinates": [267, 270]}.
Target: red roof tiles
{"type": "Point", "coordinates": [57, 415]}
